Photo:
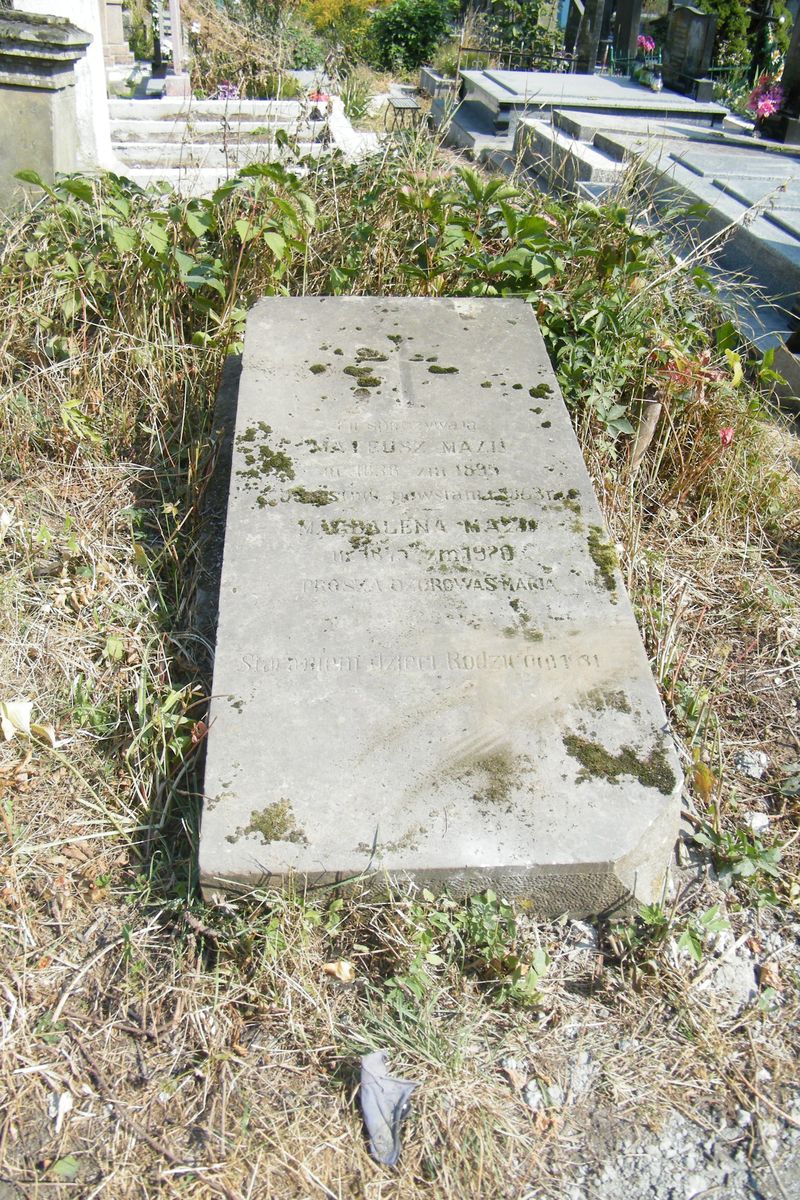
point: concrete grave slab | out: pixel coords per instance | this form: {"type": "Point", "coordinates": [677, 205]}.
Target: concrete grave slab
{"type": "Point", "coordinates": [505, 91]}
{"type": "Point", "coordinates": [426, 662]}
{"type": "Point", "coordinates": [786, 218]}
{"type": "Point", "coordinates": [714, 162]}
{"type": "Point", "coordinates": [775, 193]}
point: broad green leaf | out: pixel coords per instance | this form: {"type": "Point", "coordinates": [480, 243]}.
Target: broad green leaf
{"type": "Point", "coordinates": [245, 229]}
{"type": "Point", "coordinates": [185, 261]}
{"type": "Point", "coordinates": [114, 648]}
{"type": "Point", "coordinates": [199, 223]}
{"type": "Point", "coordinates": [70, 305]}
{"type": "Point", "coordinates": [735, 364]}
{"type": "Point", "coordinates": [124, 237]}
{"type": "Point", "coordinates": [158, 238]}
{"type": "Point", "coordinates": [33, 177]}
{"type": "Point", "coordinates": [81, 189]}
{"type": "Point", "coordinates": [306, 206]}
{"type": "Point", "coordinates": [276, 243]}
{"type": "Point", "coordinates": [66, 1168]}
{"type": "Point", "coordinates": [690, 941]}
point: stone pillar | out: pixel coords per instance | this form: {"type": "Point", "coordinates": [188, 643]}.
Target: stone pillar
{"type": "Point", "coordinates": [37, 97]}
{"type": "Point", "coordinates": [588, 38]}
{"type": "Point", "coordinates": [116, 50]}
{"type": "Point", "coordinates": [626, 29]}
{"type": "Point", "coordinates": [91, 97]}
{"type": "Point", "coordinates": [177, 84]}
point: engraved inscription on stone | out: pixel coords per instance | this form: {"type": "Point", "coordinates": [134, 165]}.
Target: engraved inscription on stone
{"type": "Point", "coordinates": [426, 662]}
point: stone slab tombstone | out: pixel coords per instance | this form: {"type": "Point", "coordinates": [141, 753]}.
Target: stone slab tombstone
{"type": "Point", "coordinates": [116, 50]}
{"type": "Point", "coordinates": [688, 51]}
{"type": "Point", "coordinates": [38, 55]}
{"type": "Point", "coordinates": [426, 664]}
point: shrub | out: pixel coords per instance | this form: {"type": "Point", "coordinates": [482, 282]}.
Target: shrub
{"type": "Point", "coordinates": [343, 24]}
{"type": "Point", "coordinates": [406, 33]}
{"type": "Point", "coordinates": [733, 23]}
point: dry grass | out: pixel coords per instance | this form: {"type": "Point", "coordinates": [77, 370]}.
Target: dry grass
{"type": "Point", "coordinates": [204, 1051]}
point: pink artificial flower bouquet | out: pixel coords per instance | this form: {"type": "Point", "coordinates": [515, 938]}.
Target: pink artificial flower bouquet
{"type": "Point", "coordinates": [766, 98]}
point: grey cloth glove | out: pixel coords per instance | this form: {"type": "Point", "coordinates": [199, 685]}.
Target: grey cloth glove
{"type": "Point", "coordinates": [384, 1103]}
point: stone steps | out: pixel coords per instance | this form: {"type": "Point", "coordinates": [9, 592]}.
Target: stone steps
{"type": "Point", "coordinates": [196, 144]}
{"type": "Point", "coordinates": [207, 154]}
{"type": "Point", "coordinates": [189, 181]}
{"type": "Point", "coordinates": [561, 158]}
{"type": "Point", "coordinates": [272, 111]}
{"type": "Point", "coordinates": [180, 130]}
{"type": "Point", "coordinates": [470, 127]}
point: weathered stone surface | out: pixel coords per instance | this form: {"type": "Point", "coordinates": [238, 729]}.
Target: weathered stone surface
{"type": "Point", "coordinates": [426, 662]}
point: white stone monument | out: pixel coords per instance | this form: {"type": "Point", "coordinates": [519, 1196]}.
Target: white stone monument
{"type": "Point", "coordinates": [91, 98]}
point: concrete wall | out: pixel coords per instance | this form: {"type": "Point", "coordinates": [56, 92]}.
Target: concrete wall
{"type": "Point", "coordinates": [91, 99]}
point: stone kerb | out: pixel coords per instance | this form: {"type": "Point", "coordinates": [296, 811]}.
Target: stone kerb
{"type": "Point", "coordinates": [38, 55]}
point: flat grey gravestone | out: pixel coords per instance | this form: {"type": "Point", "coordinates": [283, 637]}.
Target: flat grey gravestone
{"type": "Point", "coordinates": [426, 666]}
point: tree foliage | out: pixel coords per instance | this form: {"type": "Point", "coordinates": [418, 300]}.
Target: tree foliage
{"type": "Point", "coordinates": [406, 33]}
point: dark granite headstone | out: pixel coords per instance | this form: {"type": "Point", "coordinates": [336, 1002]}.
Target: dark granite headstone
{"type": "Point", "coordinates": [589, 38]}
{"type": "Point", "coordinates": [688, 51]}
{"type": "Point", "coordinates": [627, 19]}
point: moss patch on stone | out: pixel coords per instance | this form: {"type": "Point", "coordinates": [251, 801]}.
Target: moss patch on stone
{"type": "Point", "coordinates": [437, 370]}
{"type": "Point", "coordinates": [317, 368]}
{"type": "Point", "coordinates": [600, 700]}
{"type": "Point", "coordinates": [363, 376]}
{"type": "Point", "coordinates": [261, 461]}
{"type": "Point", "coordinates": [540, 391]}
{"type": "Point", "coordinates": [604, 557]}
{"type": "Point", "coordinates": [275, 823]}
{"type": "Point", "coordinates": [598, 763]}
{"type": "Point", "coordinates": [319, 496]}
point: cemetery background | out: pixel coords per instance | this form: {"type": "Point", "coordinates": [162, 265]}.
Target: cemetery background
{"type": "Point", "coordinates": [152, 1043]}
